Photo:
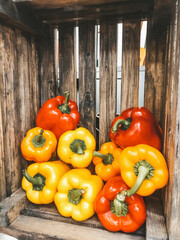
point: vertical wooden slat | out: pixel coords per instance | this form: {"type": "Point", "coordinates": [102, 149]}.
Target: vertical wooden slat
{"type": "Point", "coordinates": [108, 79]}
{"type": "Point", "coordinates": [130, 64]}
{"type": "Point", "coordinates": [171, 124]}
{"type": "Point", "coordinates": [3, 193]}
{"type": "Point", "coordinates": [155, 64]}
{"type": "Point", "coordinates": [67, 61]}
{"type": "Point", "coordinates": [87, 75]}
{"type": "Point", "coordinates": [48, 80]}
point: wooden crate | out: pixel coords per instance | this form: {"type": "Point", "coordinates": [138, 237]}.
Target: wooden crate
{"type": "Point", "coordinates": [29, 77]}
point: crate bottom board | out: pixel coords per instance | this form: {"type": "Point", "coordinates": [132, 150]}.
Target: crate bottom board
{"type": "Point", "coordinates": [44, 222]}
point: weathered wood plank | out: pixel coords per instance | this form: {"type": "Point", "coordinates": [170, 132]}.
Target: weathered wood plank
{"type": "Point", "coordinates": [155, 221]}
{"type": "Point", "coordinates": [67, 60]}
{"type": "Point", "coordinates": [108, 79]}
{"type": "Point", "coordinates": [20, 17]}
{"type": "Point", "coordinates": [130, 64]}
{"type": "Point", "coordinates": [11, 207]}
{"type": "Point", "coordinates": [87, 76]}
{"type": "Point", "coordinates": [59, 230]}
{"type": "Point", "coordinates": [50, 212]}
{"type": "Point", "coordinates": [48, 76]}
{"type": "Point", "coordinates": [155, 83]}
{"type": "Point", "coordinates": [171, 125]}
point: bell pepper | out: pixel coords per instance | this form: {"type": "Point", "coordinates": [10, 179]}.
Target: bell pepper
{"type": "Point", "coordinates": [116, 212]}
{"type": "Point", "coordinates": [144, 169]}
{"type": "Point", "coordinates": [106, 161]}
{"type": "Point", "coordinates": [77, 190]}
{"type": "Point", "coordinates": [58, 115]}
{"type": "Point", "coordinates": [136, 126]}
{"type": "Point", "coordinates": [38, 145]}
{"type": "Point", "coordinates": [40, 180]}
{"type": "Point", "coordinates": [76, 147]}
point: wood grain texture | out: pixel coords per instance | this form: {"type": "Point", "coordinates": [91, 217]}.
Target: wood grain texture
{"type": "Point", "coordinates": [154, 96]}
{"type": "Point", "coordinates": [130, 64]}
{"type": "Point", "coordinates": [87, 77]}
{"type": "Point", "coordinates": [50, 212]}
{"type": "Point", "coordinates": [171, 125]}
{"type": "Point", "coordinates": [60, 230]}
{"type": "Point", "coordinates": [48, 76]}
{"type": "Point", "coordinates": [17, 101]}
{"type": "Point", "coordinates": [155, 221]}
{"type": "Point", "coordinates": [11, 207]}
{"type": "Point", "coordinates": [20, 17]}
{"type": "Point", "coordinates": [67, 61]}
{"type": "Point", "coordinates": [108, 79]}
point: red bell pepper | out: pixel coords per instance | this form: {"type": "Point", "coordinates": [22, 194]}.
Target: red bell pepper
{"type": "Point", "coordinates": [118, 212]}
{"type": "Point", "coordinates": [136, 126]}
{"type": "Point", "coordinates": [58, 115]}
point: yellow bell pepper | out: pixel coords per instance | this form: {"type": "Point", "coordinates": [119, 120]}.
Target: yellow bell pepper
{"type": "Point", "coordinates": [144, 169]}
{"type": "Point", "coordinates": [41, 179]}
{"type": "Point", "coordinates": [38, 145]}
{"type": "Point", "coordinates": [77, 190]}
{"type": "Point", "coordinates": [76, 147]}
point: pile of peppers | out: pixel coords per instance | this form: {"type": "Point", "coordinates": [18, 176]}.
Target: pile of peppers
{"type": "Point", "coordinates": [128, 168]}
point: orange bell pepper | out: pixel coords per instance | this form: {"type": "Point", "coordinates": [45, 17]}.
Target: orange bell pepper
{"type": "Point", "coordinates": [38, 145]}
{"type": "Point", "coordinates": [106, 161]}
{"type": "Point", "coordinates": [144, 169]}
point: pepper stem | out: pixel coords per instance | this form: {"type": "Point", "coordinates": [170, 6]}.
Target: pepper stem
{"type": "Point", "coordinates": [106, 158]}
{"type": "Point", "coordinates": [125, 123]}
{"type": "Point", "coordinates": [143, 170]}
{"type": "Point", "coordinates": [78, 146]}
{"type": "Point", "coordinates": [64, 108]}
{"type": "Point", "coordinates": [75, 195]}
{"type": "Point", "coordinates": [39, 137]}
{"type": "Point", "coordinates": [118, 206]}
{"type": "Point", "coordinates": [35, 181]}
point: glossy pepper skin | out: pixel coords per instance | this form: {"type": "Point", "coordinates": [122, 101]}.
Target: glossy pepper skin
{"type": "Point", "coordinates": [38, 145]}
{"type": "Point", "coordinates": [114, 215]}
{"type": "Point", "coordinates": [77, 190]}
{"type": "Point", "coordinates": [76, 147]}
{"type": "Point", "coordinates": [136, 126]}
{"type": "Point", "coordinates": [106, 161]}
{"type": "Point", "coordinates": [41, 179]}
{"type": "Point", "coordinates": [58, 115]}
{"type": "Point", "coordinates": [144, 169]}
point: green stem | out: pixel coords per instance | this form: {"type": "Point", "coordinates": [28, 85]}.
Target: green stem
{"type": "Point", "coordinates": [106, 158]}
{"type": "Point", "coordinates": [125, 123]}
{"type": "Point", "coordinates": [78, 146]}
{"type": "Point", "coordinates": [64, 108]}
{"type": "Point", "coordinates": [75, 195]}
{"type": "Point", "coordinates": [66, 102]}
{"type": "Point", "coordinates": [119, 207]}
{"type": "Point", "coordinates": [79, 149]}
{"type": "Point", "coordinates": [35, 181]}
{"type": "Point", "coordinates": [142, 174]}
{"type": "Point", "coordinates": [40, 136]}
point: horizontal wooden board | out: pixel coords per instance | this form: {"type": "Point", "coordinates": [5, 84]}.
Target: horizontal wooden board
{"type": "Point", "coordinates": [11, 207]}
{"type": "Point", "coordinates": [61, 230]}
{"type": "Point", "coordinates": [89, 10]}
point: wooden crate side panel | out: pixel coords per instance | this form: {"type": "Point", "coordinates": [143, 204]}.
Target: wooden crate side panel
{"type": "Point", "coordinates": [87, 77]}
{"type": "Point", "coordinates": [130, 65]}
{"type": "Point", "coordinates": [155, 82]}
{"type": "Point", "coordinates": [171, 125]}
{"type": "Point", "coordinates": [47, 68]}
{"type": "Point", "coordinates": [16, 112]}
{"type": "Point", "coordinates": [108, 79]}
{"type": "Point", "coordinates": [67, 61]}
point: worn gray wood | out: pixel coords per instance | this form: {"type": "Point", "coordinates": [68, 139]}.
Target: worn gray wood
{"type": "Point", "coordinates": [20, 17]}
{"type": "Point", "coordinates": [67, 61]}
{"type": "Point", "coordinates": [108, 79]}
{"type": "Point", "coordinates": [87, 77]}
{"type": "Point", "coordinates": [130, 64]}
{"type": "Point", "coordinates": [171, 125]}
{"type": "Point", "coordinates": [155, 221]}
{"type": "Point", "coordinates": [11, 207]}
{"type": "Point", "coordinates": [59, 230]}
